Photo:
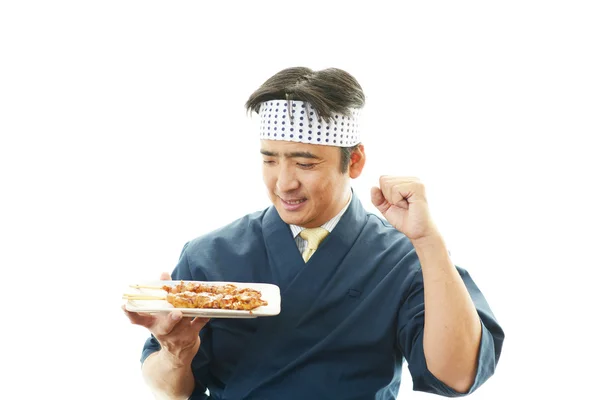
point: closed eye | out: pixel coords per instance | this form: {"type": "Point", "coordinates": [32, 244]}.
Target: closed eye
{"type": "Point", "coordinates": [306, 166]}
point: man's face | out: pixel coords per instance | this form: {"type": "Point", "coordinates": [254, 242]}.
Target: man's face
{"type": "Point", "coordinates": [304, 181]}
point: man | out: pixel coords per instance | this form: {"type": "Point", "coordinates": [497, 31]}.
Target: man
{"type": "Point", "coordinates": [359, 293]}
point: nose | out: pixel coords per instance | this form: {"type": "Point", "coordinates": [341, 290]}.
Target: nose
{"type": "Point", "coordinates": [286, 180]}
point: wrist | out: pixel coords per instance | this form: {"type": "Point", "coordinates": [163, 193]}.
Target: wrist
{"type": "Point", "coordinates": [175, 360]}
{"type": "Point", "coordinates": [429, 243]}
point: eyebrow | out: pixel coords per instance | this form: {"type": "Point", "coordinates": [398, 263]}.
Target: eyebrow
{"type": "Point", "coordinates": [295, 154]}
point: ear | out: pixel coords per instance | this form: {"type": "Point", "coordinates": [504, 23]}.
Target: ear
{"type": "Point", "coordinates": [357, 162]}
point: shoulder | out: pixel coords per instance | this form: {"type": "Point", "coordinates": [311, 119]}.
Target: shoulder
{"type": "Point", "coordinates": [220, 255]}
{"type": "Point", "coordinates": [241, 230]}
{"type": "Point", "coordinates": [393, 250]}
{"type": "Point", "coordinates": [379, 227]}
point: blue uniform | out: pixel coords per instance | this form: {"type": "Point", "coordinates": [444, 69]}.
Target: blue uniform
{"type": "Point", "coordinates": [349, 317]}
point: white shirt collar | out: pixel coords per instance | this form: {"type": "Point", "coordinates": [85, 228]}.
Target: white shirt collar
{"type": "Point", "coordinates": [329, 225]}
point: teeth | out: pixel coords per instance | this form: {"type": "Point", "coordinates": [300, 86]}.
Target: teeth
{"type": "Point", "coordinates": [295, 202]}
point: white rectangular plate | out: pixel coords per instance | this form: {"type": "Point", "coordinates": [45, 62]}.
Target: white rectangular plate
{"type": "Point", "coordinates": [269, 292]}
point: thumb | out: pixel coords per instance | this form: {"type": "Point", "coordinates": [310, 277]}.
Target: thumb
{"type": "Point", "coordinates": [378, 200]}
{"type": "Point", "coordinates": [165, 276]}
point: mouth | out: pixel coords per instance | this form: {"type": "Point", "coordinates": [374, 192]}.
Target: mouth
{"type": "Point", "coordinates": [292, 204]}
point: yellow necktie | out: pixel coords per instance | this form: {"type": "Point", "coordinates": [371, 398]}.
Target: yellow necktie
{"type": "Point", "coordinates": [314, 237]}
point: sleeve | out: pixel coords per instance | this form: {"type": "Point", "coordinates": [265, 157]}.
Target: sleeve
{"type": "Point", "coordinates": [200, 363]}
{"type": "Point", "coordinates": [411, 320]}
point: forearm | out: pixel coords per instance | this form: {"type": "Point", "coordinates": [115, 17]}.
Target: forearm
{"type": "Point", "coordinates": [452, 331]}
{"type": "Point", "coordinates": [167, 378]}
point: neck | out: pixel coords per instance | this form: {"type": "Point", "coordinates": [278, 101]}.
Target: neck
{"type": "Point", "coordinates": [335, 211]}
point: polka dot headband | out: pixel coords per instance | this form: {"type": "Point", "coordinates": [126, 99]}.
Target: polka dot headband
{"type": "Point", "coordinates": [297, 121]}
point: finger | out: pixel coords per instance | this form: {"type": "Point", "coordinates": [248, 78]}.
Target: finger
{"type": "Point", "coordinates": [408, 179]}
{"type": "Point", "coordinates": [378, 200]}
{"type": "Point", "coordinates": [387, 189]}
{"type": "Point", "coordinates": [377, 196]}
{"type": "Point", "coordinates": [385, 180]}
{"type": "Point", "coordinates": [400, 194]}
{"type": "Point", "coordinates": [198, 323]}
{"type": "Point", "coordinates": [165, 276]}
{"type": "Point", "coordinates": [167, 323]}
{"type": "Point", "coordinates": [385, 183]}
{"type": "Point", "coordinates": [144, 320]}
{"type": "Point", "coordinates": [410, 191]}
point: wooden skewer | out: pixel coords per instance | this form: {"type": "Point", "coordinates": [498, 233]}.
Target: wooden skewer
{"type": "Point", "coordinates": [129, 296]}
{"type": "Point", "coordinates": [146, 287]}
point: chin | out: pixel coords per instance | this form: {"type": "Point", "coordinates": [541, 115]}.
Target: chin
{"type": "Point", "coordinates": [290, 217]}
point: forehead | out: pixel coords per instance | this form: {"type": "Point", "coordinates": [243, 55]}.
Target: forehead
{"type": "Point", "coordinates": [283, 147]}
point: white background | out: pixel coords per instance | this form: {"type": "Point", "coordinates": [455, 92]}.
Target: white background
{"type": "Point", "coordinates": [123, 135]}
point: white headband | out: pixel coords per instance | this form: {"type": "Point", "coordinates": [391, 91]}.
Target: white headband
{"type": "Point", "coordinates": [305, 126]}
